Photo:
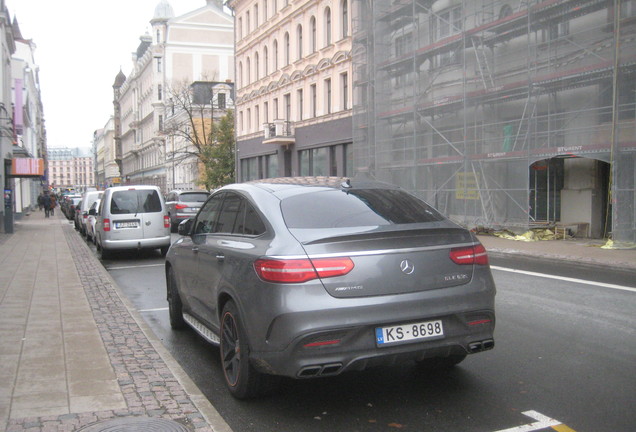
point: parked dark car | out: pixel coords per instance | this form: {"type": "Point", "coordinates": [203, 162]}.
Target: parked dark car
{"type": "Point", "coordinates": [184, 204]}
{"type": "Point", "coordinates": [312, 277]}
{"type": "Point", "coordinates": [69, 208]}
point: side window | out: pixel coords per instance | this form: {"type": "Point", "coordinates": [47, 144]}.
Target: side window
{"type": "Point", "coordinates": [252, 223]}
{"type": "Point", "coordinates": [229, 217]}
{"type": "Point", "coordinates": [207, 216]}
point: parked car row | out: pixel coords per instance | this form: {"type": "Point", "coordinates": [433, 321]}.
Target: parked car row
{"type": "Point", "coordinates": [308, 277]}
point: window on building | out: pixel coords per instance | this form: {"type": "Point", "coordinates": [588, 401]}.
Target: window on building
{"type": "Point", "coordinates": [239, 28]}
{"type": "Point", "coordinates": [240, 76]}
{"type": "Point", "coordinates": [257, 118]}
{"type": "Point", "coordinates": [159, 92]}
{"type": "Point", "coordinates": [256, 21]}
{"type": "Point", "coordinates": [275, 55]}
{"type": "Point", "coordinates": [241, 122]}
{"type": "Point", "coordinates": [447, 22]}
{"type": "Point", "coordinates": [299, 42]}
{"type": "Point", "coordinates": [275, 112]}
{"type": "Point", "coordinates": [287, 99]}
{"type": "Point", "coordinates": [312, 34]}
{"type": "Point", "coordinates": [247, 23]}
{"type": "Point", "coordinates": [160, 122]}
{"type": "Point", "coordinates": [313, 100]}
{"type": "Point", "coordinates": [159, 64]}
{"type": "Point", "coordinates": [314, 162]}
{"type": "Point", "coordinates": [220, 100]}
{"type": "Point", "coordinates": [248, 72]}
{"type": "Point", "coordinates": [344, 8]}
{"type": "Point", "coordinates": [271, 166]}
{"type": "Point", "coordinates": [248, 120]}
{"type": "Point", "coordinates": [300, 101]}
{"type": "Point", "coordinates": [265, 62]}
{"type": "Point", "coordinates": [328, 96]}
{"type": "Point", "coordinates": [265, 11]}
{"type": "Point", "coordinates": [327, 26]}
{"type": "Point", "coordinates": [344, 88]}
{"type": "Point", "coordinates": [265, 112]}
{"type": "Point", "coordinates": [556, 31]}
{"type": "Point", "coordinates": [286, 49]}
{"type": "Point", "coordinates": [256, 67]}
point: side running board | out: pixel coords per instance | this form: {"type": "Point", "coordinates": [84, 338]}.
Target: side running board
{"type": "Point", "coordinates": [201, 329]}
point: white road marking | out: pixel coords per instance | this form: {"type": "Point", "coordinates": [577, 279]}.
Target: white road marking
{"type": "Point", "coordinates": [542, 423]}
{"type": "Point", "coordinates": [153, 310]}
{"type": "Point", "coordinates": [133, 267]}
{"type": "Point", "coordinates": [567, 279]}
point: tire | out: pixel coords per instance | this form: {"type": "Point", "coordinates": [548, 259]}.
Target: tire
{"type": "Point", "coordinates": [241, 379]}
{"type": "Point", "coordinates": [175, 308]}
{"type": "Point", "coordinates": [104, 254]}
{"type": "Point", "coordinates": [442, 363]}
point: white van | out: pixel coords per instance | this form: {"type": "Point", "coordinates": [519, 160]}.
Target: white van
{"type": "Point", "coordinates": [132, 217]}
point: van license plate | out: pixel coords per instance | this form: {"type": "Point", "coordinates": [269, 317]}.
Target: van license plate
{"type": "Point", "coordinates": [126, 225]}
{"type": "Point", "coordinates": [409, 332]}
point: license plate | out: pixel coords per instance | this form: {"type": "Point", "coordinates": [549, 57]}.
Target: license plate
{"type": "Point", "coordinates": [126, 225]}
{"type": "Point", "coordinates": [409, 332]}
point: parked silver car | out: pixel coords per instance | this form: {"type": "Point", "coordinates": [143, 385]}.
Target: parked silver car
{"type": "Point", "coordinates": [184, 204]}
{"type": "Point", "coordinates": [133, 218]}
{"type": "Point", "coordinates": [91, 220]}
{"type": "Point", "coordinates": [311, 277]}
{"type": "Point", "coordinates": [88, 198]}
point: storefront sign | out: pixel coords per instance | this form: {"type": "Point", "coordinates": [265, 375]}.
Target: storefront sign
{"type": "Point", "coordinates": [27, 167]}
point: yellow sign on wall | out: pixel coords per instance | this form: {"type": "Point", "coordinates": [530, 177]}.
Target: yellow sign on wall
{"type": "Point", "coordinates": [466, 186]}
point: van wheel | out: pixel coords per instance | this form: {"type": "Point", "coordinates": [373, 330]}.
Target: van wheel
{"type": "Point", "coordinates": [103, 253]}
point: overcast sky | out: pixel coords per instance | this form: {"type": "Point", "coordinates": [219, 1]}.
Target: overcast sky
{"type": "Point", "coordinates": [81, 46]}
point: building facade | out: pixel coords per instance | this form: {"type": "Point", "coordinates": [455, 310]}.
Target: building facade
{"type": "Point", "coordinates": [293, 88]}
{"type": "Point", "coordinates": [502, 113]}
{"type": "Point", "coordinates": [7, 48]}
{"type": "Point", "coordinates": [197, 46]}
{"type": "Point", "coordinates": [71, 168]}
{"type": "Point", "coordinates": [104, 149]}
{"type": "Point", "coordinates": [28, 121]}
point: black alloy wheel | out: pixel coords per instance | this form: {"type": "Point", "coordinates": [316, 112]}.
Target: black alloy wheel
{"type": "Point", "coordinates": [175, 308]}
{"type": "Point", "coordinates": [241, 379]}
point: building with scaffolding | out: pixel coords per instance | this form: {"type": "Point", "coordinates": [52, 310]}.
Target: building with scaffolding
{"type": "Point", "coordinates": [502, 114]}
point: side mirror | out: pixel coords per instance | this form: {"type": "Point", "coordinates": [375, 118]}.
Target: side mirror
{"type": "Point", "coordinates": [185, 227]}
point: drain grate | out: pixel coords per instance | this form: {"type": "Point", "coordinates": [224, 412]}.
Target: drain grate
{"type": "Point", "coordinates": [136, 424]}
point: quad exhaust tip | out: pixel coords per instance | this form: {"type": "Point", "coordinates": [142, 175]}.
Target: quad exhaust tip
{"type": "Point", "coordinates": [320, 370]}
{"type": "Point", "coordinates": [475, 347]}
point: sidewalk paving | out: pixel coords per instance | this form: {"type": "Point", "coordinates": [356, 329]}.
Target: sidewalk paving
{"type": "Point", "coordinates": [75, 355]}
{"type": "Point", "coordinates": [73, 352]}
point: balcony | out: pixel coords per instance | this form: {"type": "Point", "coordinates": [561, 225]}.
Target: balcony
{"type": "Point", "coordinates": [279, 132]}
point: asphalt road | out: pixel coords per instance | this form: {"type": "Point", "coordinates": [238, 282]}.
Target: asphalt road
{"type": "Point", "coordinates": [565, 354]}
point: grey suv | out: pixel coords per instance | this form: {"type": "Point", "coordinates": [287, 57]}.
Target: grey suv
{"type": "Point", "coordinates": [311, 277]}
{"type": "Point", "coordinates": [184, 204]}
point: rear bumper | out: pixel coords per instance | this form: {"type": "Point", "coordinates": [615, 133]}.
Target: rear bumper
{"type": "Point", "coordinates": [152, 243]}
{"type": "Point", "coordinates": [357, 349]}
{"type": "Point", "coordinates": [300, 343]}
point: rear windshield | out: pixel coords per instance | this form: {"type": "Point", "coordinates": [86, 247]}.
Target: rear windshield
{"type": "Point", "coordinates": [335, 208]}
{"type": "Point", "coordinates": [193, 197]}
{"type": "Point", "coordinates": [135, 201]}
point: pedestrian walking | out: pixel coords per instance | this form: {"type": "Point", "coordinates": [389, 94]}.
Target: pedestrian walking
{"type": "Point", "coordinates": [40, 199]}
{"type": "Point", "coordinates": [46, 203]}
{"type": "Point", "coordinates": [53, 204]}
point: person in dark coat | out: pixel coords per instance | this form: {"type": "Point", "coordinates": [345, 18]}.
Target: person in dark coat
{"type": "Point", "coordinates": [46, 203]}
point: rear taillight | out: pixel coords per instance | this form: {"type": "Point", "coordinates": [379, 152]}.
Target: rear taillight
{"type": "Point", "coordinates": [469, 255]}
{"type": "Point", "coordinates": [180, 206]}
{"type": "Point", "coordinates": [301, 270]}
{"type": "Point", "coordinates": [106, 224]}
{"type": "Point", "coordinates": [166, 221]}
